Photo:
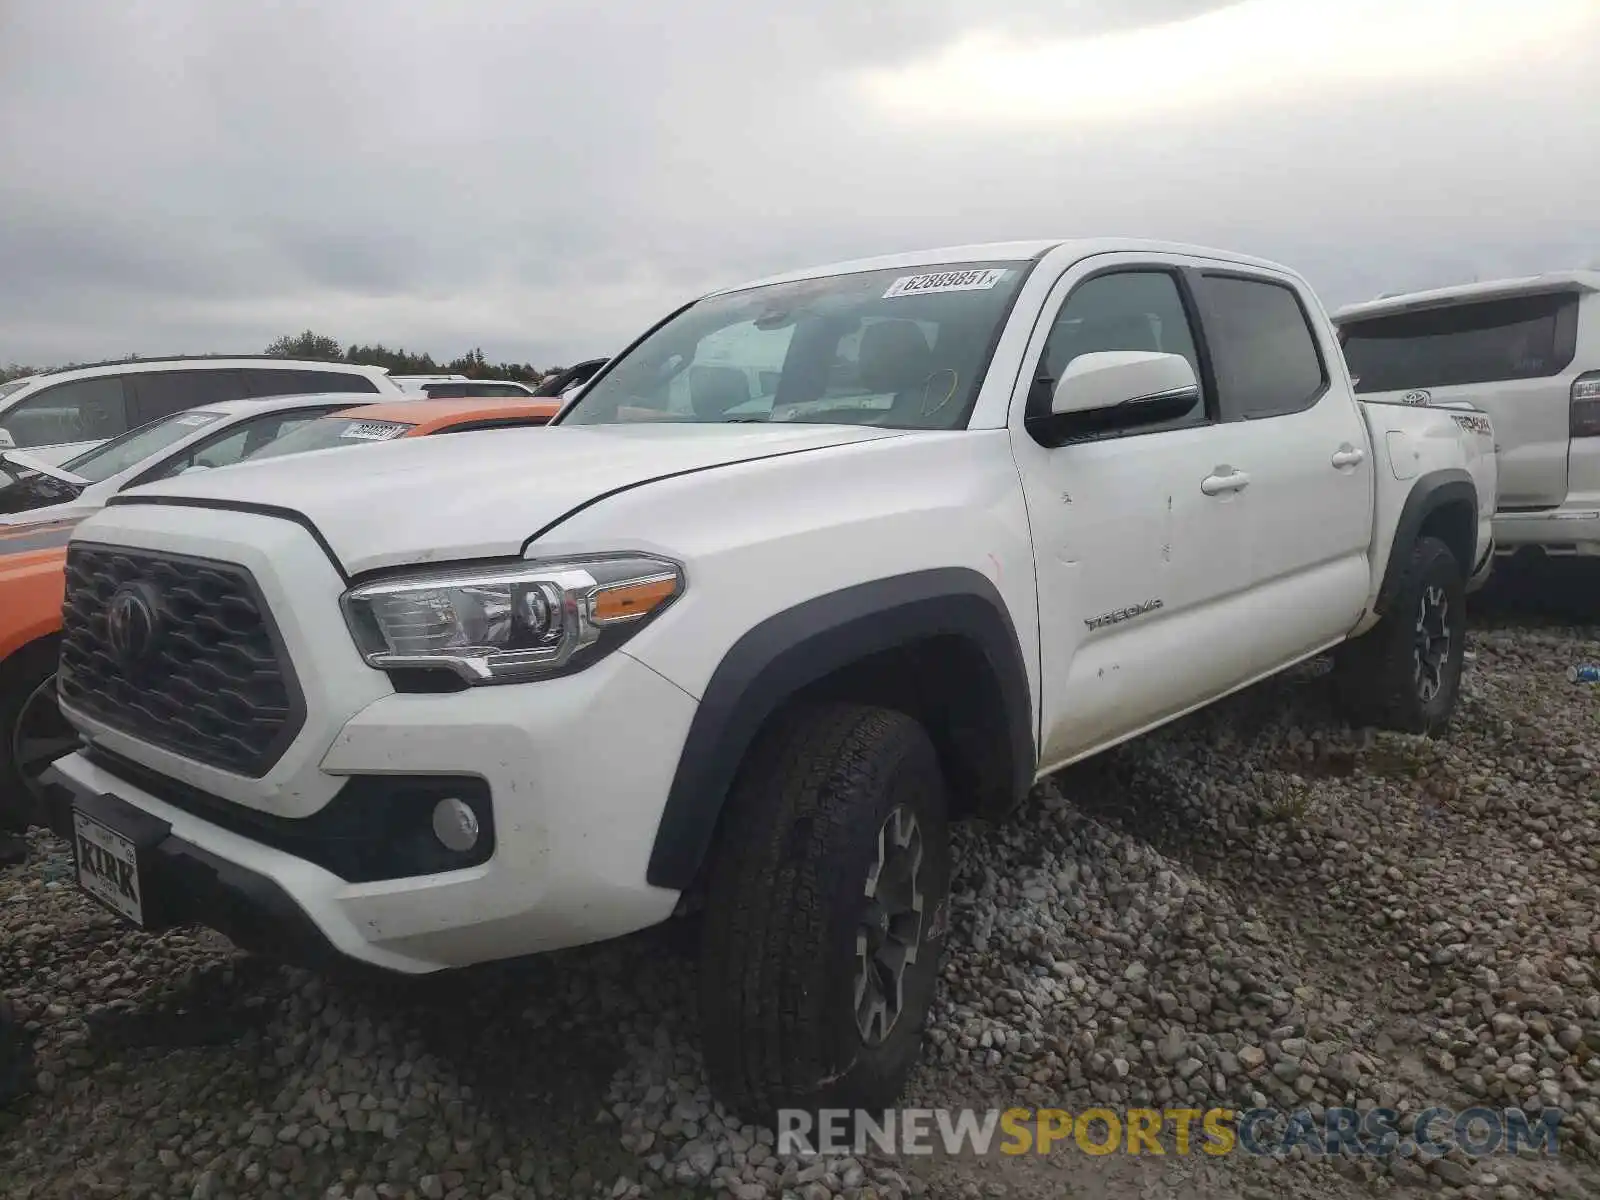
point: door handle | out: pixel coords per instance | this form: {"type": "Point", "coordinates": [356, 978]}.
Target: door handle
{"type": "Point", "coordinates": [1348, 456]}
{"type": "Point", "coordinates": [1216, 485]}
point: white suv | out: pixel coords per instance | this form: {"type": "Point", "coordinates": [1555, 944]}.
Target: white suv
{"type": "Point", "coordinates": [1527, 352]}
{"type": "Point", "coordinates": [58, 414]}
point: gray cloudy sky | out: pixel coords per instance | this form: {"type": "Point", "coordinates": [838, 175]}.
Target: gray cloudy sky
{"type": "Point", "coordinates": [543, 177]}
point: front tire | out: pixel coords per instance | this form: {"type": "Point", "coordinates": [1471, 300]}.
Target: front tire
{"type": "Point", "coordinates": [825, 914]}
{"type": "Point", "coordinates": [1405, 673]}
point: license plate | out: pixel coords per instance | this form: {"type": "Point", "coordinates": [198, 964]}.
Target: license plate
{"type": "Point", "coordinates": [108, 867]}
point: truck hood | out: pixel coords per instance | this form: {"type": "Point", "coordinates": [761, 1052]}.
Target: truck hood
{"type": "Point", "coordinates": [475, 495]}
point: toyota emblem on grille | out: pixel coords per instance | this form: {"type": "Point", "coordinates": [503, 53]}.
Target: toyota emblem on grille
{"type": "Point", "coordinates": [131, 623]}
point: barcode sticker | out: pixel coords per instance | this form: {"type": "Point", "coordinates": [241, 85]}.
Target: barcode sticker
{"type": "Point", "coordinates": [373, 431]}
{"type": "Point", "coordinates": [945, 281]}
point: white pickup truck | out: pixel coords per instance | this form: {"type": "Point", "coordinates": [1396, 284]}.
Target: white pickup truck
{"type": "Point", "coordinates": [694, 648]}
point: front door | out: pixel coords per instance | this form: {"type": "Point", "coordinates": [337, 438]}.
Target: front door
{"type": "Point", "coordinates": [1141, 557]}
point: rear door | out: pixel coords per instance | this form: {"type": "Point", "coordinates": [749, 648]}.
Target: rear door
{"type": "Point", "coordinates": [1514, 358]}
{"type": "Point", "coordinates": [1301, 439]}
{"type": "Point", "coordinates": [162, 393]}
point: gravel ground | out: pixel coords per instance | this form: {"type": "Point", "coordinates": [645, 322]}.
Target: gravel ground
{"type": "Point", "coordinates": [1255, 906]}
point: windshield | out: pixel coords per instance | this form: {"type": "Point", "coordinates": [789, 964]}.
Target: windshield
{"type": "Point", "coordinates": [120, 453]}
{"type": "Point", "coordinates": [902, 348]}
{"type": "Point", "coordinates": [327, 432]}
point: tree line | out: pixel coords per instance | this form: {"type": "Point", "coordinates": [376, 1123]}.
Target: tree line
{"type": "Point", "coordinates": [320, 347]}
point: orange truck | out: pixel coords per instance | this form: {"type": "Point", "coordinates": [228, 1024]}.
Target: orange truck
{"type": "Point", "coordinates": [33, 733]}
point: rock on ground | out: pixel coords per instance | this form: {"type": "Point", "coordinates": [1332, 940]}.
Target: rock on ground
{"type": "Point", "coordinates": [1255, 906]}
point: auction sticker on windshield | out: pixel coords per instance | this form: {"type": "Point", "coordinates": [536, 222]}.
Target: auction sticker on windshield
{"type": "Point", "coordinates": [108, 867]}
{"type": "Point", "coordinates": [945, 281]}
{"type": "Point", "coordinates": [373, 431]}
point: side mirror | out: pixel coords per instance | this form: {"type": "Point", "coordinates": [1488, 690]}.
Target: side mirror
{"type": "Point", "coordinates": [1110, 390]}
{"type": "Point", "coordinates": [7, 442]}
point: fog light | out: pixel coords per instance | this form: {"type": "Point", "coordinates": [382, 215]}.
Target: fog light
{"type": "Point", "coordinates": [455, 825]}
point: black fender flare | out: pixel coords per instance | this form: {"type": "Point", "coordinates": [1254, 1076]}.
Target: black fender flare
{"type": "Point", "coordinates": [802, 645]}
{"type": "Point", "coordinates": [1431, 492]}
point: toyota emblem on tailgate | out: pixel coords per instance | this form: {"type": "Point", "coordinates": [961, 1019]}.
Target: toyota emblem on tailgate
{"type": "Point", "coordinates": [131, 623]}
{"type": "Point", "coordinates": [1417, 397]}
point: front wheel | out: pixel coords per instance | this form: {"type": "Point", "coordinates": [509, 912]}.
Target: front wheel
{"type": "Point", "coordinates": [1405, 673]}
{"type": "Point", "coordinates": [826, 914]}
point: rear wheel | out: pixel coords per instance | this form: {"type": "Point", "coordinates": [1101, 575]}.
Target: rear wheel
{"type": "Point", "coordinates": [33, 733]}
{"type": "Point", "coordinates": [825, 915]}
{"type": "Point", "coordinates": [1405, 673]}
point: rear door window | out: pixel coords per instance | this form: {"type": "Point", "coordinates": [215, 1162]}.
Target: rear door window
{"type": "Point", "coordinates": [264, 381]}
{"type": "Point", "coordinates": [1526, 337]}
{"type": "Point", "coordinates": [162, 393]}
{"type": "Point", "coordinates": [1264, 350]}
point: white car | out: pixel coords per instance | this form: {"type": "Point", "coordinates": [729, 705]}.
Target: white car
{"type": "Point", "coordinates": [415, 383]}
{"type": "Point", "coordinates": [462, 389]}
{"type": "Point", "coordinates": [61, 413]}
{"type": "Point", "coordinates": [217, 435]}
{"type": "Point", "coordinates": [1526, 352]}
{"type": "Point", "coordinates": [496, 694]}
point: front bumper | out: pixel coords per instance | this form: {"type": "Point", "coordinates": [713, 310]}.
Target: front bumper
{"type": "Point", "coordinates": [185, 884]}
{"type": "Point", "coordinates": [1573, 529]}
{"type": "Point", "coordinates": [574, 819]}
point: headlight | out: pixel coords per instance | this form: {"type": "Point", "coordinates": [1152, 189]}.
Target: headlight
{"type": "Point", "coordinates": [505, 624]}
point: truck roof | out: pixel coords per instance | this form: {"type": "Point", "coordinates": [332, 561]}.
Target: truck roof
{"type": "Point", "coordinates": [993, 251]}
{"type": "Point", "coordinates": [1490, 289]}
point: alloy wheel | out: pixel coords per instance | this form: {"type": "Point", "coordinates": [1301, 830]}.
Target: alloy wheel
{"type": "Point", "coordinates": [890, 928]}
{"type": "Point", "coordinates": [1431, 643]}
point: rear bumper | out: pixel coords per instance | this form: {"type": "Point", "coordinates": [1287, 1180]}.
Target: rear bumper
{"type": "Point", "coordinates": [1572, 529]}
